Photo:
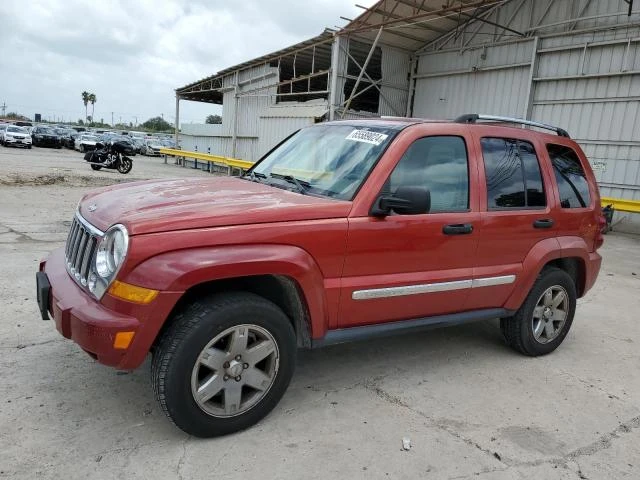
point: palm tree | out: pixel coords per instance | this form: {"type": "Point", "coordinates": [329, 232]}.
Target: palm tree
{"type": "Point", "coordinates": [85, 100]}
{"type": "Point", "coordinates": [92, 100]}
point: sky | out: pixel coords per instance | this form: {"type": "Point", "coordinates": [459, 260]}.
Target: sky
{"type": "Point", "coordinates": [133, 54]}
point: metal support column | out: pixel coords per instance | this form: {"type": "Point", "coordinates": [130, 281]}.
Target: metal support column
{"type": "Point", "coordinates": [177, 126]}
{"type": "Point", "coordinates": [333, 80]}
{"type": "Point", "coordinates": [234, 138]}
{"type": "Point", "coordinates": [528, 109]}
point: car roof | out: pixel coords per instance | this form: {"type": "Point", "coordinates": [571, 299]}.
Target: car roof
{"type": "Point", "coordinates": [399, 123]}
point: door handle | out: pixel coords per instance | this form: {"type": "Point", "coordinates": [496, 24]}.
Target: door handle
{"type": "Point", "coordinates": [457, 229]}
{"type": "Point", "coordinates": [543, 223]}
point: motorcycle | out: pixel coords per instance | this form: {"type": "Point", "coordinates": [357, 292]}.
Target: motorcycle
{"type": "Point", "coordinates": [113, 155]}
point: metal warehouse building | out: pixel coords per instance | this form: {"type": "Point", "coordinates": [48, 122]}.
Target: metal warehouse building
{"type": "Point", "coordinates": [572, 63]}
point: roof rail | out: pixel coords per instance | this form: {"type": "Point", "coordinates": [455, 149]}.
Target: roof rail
{"type": "Point", "coordinates": [474, 117]}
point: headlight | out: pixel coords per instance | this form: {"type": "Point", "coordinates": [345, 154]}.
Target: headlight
{"type": "Point", "coordinates": [112, 251]}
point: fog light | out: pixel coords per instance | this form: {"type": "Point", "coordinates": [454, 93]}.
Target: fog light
{"type": "Point", "coordinates": [123, 340]}
{"type": "Point", "coordinates": [132, 293]}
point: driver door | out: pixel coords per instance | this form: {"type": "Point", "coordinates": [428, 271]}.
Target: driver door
{"type": "Point", "coordinates": [412, 266]}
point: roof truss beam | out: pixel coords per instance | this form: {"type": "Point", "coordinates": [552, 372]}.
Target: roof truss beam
{"type": "Point", "coordinates": [424, 15]}
{"type": "Point", "coordinates": [384, 13]}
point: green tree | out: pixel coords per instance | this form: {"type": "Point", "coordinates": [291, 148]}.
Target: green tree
{"type": "Point", "coordinates": [12, 115]}
{"type": "Point", "coordinates": [80, 122]}
{"type": "Point", "coordinates": [157, 124]}
{"type": "Point", "coordinates": [215, 119]}
{"type": "Point", "coordinates": [92, 100]}
{"type": "Point", "coordinates": [85, 100]}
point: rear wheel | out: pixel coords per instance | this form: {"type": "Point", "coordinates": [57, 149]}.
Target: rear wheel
{"type": "Point", "coordinates": [544, 319]}
{"type": "Point", "coordinates": [96, 167]}
{"type": "Point", "coordinates": [224, 363]}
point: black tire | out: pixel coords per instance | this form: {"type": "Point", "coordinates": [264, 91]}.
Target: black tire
{"type": "Point", "coordinates": [190, 331]}
{"type": "Point", "coordinates": [125, 165]}
{"type": "Point", "coordinates": [518, 330]}
{"type": "Point", "coordinates": [96, 167]}
{"type": "Point", "coordinates": [29, 147]}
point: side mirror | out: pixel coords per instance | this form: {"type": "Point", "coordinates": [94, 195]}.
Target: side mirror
{"type": "Point", "coordinates": [408, 200]}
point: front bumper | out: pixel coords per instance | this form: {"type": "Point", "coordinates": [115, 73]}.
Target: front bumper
{"type": "Point", "coordinates": [48, 142]}
{"type": "Point", "coordinates": [18, 142]}
{"type": "Point", "coordinates": [93, 324]}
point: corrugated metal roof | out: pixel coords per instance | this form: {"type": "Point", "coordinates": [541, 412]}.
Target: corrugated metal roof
{"type": "Point", "coordinates": [411, 24]}
{"type": "Point", "coordinates": [324, 37]}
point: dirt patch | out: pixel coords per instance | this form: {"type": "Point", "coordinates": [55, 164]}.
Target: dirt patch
{"type": "Point", "coordinates": [20, 180]}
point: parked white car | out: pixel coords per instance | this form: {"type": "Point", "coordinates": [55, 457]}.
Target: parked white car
{"type": "Point", "coordinates": [15, 136]}
{"type": "Point", "coordinates": [152, 147]}
{"type": "Point", "coordinates": [85, 142]}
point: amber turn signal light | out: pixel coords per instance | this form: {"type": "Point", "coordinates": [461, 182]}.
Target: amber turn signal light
{"type": "Point", "coordinates": [123, 340]}
{"type": "Point", "coordinates": [132, 293]}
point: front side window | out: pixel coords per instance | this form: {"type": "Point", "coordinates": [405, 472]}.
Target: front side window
{"type": "Point", "coordinates": [512, 174]}
{"type": "Point", "coordinates": [570, 177]}
{"type": "Point", "coordinates": [440, 164]}
{"type": "Point", "coordinates": [330, 160]}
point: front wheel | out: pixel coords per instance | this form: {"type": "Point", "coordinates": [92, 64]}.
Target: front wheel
{"type": "Point", "coordinates": [224, 363]}
{"type": "Point", "coordinates": [544, 319]}
{"type": "Point", "coordinates": [125, 165]}
{"type": "Point", "coordinates": [96, 167]}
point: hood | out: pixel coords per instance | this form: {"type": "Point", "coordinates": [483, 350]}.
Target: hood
{"type": "Point", "coordinates": [160, 206]}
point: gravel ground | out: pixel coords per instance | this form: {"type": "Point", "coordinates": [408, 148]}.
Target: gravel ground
{"type": "Point", "coordinates": [471, 407]}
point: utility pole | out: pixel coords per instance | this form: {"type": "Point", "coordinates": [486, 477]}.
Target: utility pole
{"type": "Point", "coordinates": [4, 108]}
{"type": "Point", "coordinates": [112, 119]}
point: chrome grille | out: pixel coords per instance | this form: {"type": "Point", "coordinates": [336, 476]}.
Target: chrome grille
{"type": "Point", "coordinates": [82, 243]}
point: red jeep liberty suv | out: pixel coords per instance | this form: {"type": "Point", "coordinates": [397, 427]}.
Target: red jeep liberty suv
{"type": "Point", "coordinates": [344, 231]}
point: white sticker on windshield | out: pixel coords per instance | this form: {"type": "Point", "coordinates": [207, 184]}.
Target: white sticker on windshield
{"type": "Point", "coordinates": [366, 136]}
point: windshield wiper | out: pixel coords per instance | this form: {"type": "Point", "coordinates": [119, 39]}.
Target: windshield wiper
{"type": "Point", "coordinates": [301, 185]}
{"type": "Point", "coordinates": [254, 176]}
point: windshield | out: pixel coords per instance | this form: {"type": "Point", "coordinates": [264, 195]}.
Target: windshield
{"type": "Point", "coordinates": [91, 138]}
{"type": "Point", "coordinates": [16, 130]}
{"type": "Point", "coordinates": [329, 160]}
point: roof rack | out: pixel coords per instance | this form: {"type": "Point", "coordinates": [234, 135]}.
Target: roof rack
{"type": "Point", "coordinates": [474, 117]}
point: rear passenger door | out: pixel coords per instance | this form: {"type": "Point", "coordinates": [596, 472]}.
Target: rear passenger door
{"type": "Point", "coordinates": [515, 202]}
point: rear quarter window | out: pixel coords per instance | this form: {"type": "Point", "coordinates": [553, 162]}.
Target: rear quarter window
{"type": "Point", "coordinates": [570, 177]}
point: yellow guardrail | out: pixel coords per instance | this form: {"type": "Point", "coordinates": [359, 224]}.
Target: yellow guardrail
{"type": "Point", "coordinates": [242, 164]}
{"type": "Point", "coordinates": [621, 204]}
{"type": "Point", "coordinates": [207, 157]}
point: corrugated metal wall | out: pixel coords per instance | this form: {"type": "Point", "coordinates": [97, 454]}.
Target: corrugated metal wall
{"type": "Point", "coordinates": [274, 129]}
{"type": "Point", "coordinates": [585, 77]}
{"type": "Point", "coordinates": [395, 81]}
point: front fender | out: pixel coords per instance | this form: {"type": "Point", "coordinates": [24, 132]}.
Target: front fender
{"type": "Point", "coordinates": [180, 270]}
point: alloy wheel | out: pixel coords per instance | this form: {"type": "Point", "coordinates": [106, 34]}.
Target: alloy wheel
{"type": "Point", "coordinates": [235, 370]}
{"type": "Point", "coordinates": [550, 314]}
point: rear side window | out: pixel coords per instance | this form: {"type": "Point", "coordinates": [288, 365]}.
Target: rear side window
{"type": "Point", "coordinates": [512, 174]}
{"type": "Point", "coordinates": [570, 177]}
